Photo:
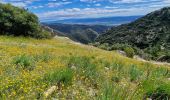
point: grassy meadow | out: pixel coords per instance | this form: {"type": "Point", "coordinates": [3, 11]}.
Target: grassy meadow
{"type": "Point", "coordinates": [30, 67]}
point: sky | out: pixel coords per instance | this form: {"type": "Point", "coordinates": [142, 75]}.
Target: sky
{"type": "Point", "coordinates": [68, 9]}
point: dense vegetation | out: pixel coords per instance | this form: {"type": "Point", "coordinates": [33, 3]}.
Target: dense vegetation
{"type": "Point", "coordinates": [149, 35]}
{"type": "Point", "coordinates": [20, 22]}
{"type": "Point", "coordinates": [60, 69]}
{"type": "Point", "coordinates": [80, 33]}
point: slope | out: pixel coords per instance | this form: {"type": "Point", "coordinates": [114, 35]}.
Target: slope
{"type": "Point", "coordinates": [150, 33]}
{"type": "Point", "coordinates": [61, 69]}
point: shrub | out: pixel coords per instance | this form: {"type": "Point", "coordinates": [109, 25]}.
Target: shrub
{"type": "Point", "coordinates": [24, 61]}
{"type": "Point", "coordinates": [104, 46]}
{"type": "Point", "coordinates": [19, 22]}
{"type": "Point", "coordinates": [129, 52]}
{"type": "Point", "coordinates": [119, 46]}
{"type": "Point", "coordinates": [59, 76]}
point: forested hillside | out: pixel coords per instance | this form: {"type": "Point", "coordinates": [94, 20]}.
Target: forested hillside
{"type": "Point", "coordinates": [80, 33]}
{"type": "Point", "coordinates": [151, 34]}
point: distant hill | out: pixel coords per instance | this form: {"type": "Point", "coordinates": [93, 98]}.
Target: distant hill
{"type": "Point", "coordinates": [80, 33]}
{"type": "Point", "coordinates": [99, 21]}
{"type": "Point", "coordinates": [150, 33]}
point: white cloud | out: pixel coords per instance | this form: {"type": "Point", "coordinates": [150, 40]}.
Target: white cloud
{"type": "Point", "coordinates": [57, 4]}
{"type": "Point", "coordinates": [83, 13]}
{"type": "Point", "coordinates": [126, 1]}
{"type": "Point", "coordinates": [91, 1]}
{"type": "Point", "coordinates": [166, 1]}
{"type": "Point", "coordinates": [94, 8]}
{"type": "Point", "coordinates": [20, 4]}
{"type": "Point", "coordinates": [98, 4]}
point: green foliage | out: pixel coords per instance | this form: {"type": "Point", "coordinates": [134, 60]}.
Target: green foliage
{"type": "Point", "coordinates": [118, 46]}
{"type": "Point", "coordinates": [107, 92]}
{"type": "Point", "coordinates": [134, 73]}
{"type": "Point", "coordinates": [24, 61]}
{"type": "Point", "coordinates": [149, 34]}
{"type": "Point", "coordinates": [114, 92]}
{"type": "Point", "coordinates": [20, 22]}
{"type": "Point", "coordinates": [104, 46]}
{"type": "Point", "coordinates": [129, 52]}
{"type": "Point", "coordinates": [59, 76]}
{"type": "Point", "coordinates": [156, 89]}
{"type": "Point", "coordinates": [117, 66]}
{"type": "Point", "coordinates": [161, 72]}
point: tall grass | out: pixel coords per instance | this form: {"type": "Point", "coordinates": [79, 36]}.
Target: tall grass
{"type": "Point", "coordinates": [24, 61]}
{"type": "Point", "coordinates": [63, 76]}
{"type": "Point", "coordinates": [134, 73]}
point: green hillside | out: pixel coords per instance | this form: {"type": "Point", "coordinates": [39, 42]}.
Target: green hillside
{"type": "Point", "coordinates": [151, 34]}
{"type": "Point", "coordinates": [29, 68]}
{"type": "Point", "coordinates": [80, 33]}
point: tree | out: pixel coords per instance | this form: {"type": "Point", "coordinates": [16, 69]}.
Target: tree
{"type": "Point", "coordinates": [20, 22]}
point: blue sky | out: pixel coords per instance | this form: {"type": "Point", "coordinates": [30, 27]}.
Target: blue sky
{"type": "Point", "coordinates": [66, 9]}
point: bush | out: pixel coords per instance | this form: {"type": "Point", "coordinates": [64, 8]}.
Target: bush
{"type": "Point", "coordinates": [129, 52]}
{"type": "Point", "coordinates": [24, 61]}
{"type": "Point", "coordinates": [104, 46]}
{"type": "Point", "coordinates": [19, 22]}
{"type": "Point", "coordinates": [119, 46]}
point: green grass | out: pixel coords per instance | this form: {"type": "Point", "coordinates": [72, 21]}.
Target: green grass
{"type": "Point", "coordinates": [134, 73]}
{"type": "Point", "coordinates": [24, 61]}
{"type": "Point", "coordinates": [63, 76]}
